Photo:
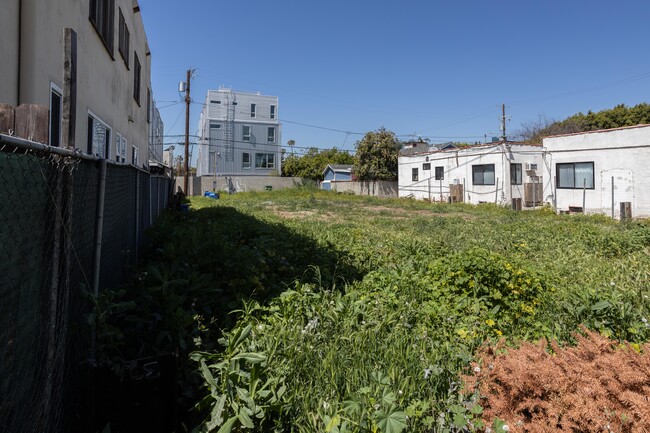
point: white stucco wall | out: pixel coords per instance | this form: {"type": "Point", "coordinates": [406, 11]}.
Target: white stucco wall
{"type": "Point", "coordinates": [458, 164]}
{"type": "Point", "coordinates": [623, 154]}
{"type": "Point", "coordinates": [104, 83]}
{"type": "Point", "coordinates": [9, 51]}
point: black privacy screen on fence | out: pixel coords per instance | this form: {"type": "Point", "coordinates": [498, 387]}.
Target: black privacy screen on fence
{"type": "Point", "coordinates": [48, 243]}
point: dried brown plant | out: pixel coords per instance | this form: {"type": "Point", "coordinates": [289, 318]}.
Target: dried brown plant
{"type": "Point", "coordinates": [599, 385]}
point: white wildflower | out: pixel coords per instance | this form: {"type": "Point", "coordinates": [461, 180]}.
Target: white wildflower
{"type": "Point", "coordinates": [326, 405]}
{"type": "Point", "coordinates": [611, 283]}
{"type": "Point", "coordinates": [644, 320]}
{"type": "Point", "coordinates": [477, 369]}
{"type": "Point", "coordinates": [488, 430]}
{"type": "Point", "coordinates": [400, 392]}
{"type": "Point", "coordinates": [427, 373]}
{"type": "Point", "coordinates": [260, 326]}
{"type": "Point", "coordinates": [505, 427]}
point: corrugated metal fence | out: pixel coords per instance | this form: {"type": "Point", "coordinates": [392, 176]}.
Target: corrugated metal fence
{"type": "Point", "coordinates": [52, 265]}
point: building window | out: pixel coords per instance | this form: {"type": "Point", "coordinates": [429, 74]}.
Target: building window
{"type": "Point", "coordinates": [212, 162]}
{"type": "Point", "coordinates": [516, 174]}
{"type": "Point", "coordinates": [246, 133]}
{"type": "Point", "coordinates": [264, 160]}
{"type": "Point", "coordinates": [483, 174]}
{"type": "Point", "coordinates": [134, 155]}
{"type": "Point", "coordinates": [246, 161]}
{"type": "Point", "coordinates": [426, 166]}
{"type": "Point", "coordinates": [576, 175]}
{"type": "Point", "coordinates": [102, 15]}
{"type": "Point", "coordinates": [270, 132]}
{"type": "Point", "coordinates": [136, 78]}
{"type": "Point", "coordinates": [253, 109]}
{"type": "Point", "coordinates": [123, 42]}
{"type": "Point", "coordinates": [215, 102]}
{"type": "Point", "coordinates": [440, 173]}
{"type": "Point", "coordinates": [56, 107]}
{"type": "Point", "coordinates": [148, 105]}
{"type": "Point", "coordinates": [272, 112]}
{"type": "Point", "coordinates": [120, 148]}
{"type": "Point", "coordinates": [414, 174]}
{"type": "Point", "coordinates": [99, 137]}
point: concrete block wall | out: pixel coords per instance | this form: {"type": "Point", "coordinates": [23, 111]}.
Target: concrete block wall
{"type": "Point", "coordinates": [199, 185]}
{"type": "Point", "coordinates": [375, 188]}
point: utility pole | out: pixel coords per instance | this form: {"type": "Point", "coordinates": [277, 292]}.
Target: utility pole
{"type": "Point", "coordinates": [188, 100]}
{"type": "Point", "coordinates": [503, 123]}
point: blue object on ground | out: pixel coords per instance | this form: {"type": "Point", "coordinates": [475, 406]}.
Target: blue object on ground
{"type": "Point", "coordinates": [210, 194]}
{"type": "Point", "coordinates": [185, 207]}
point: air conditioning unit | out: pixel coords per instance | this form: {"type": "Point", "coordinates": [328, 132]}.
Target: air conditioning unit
{"type": "Point", "coordinates": [530, 166]}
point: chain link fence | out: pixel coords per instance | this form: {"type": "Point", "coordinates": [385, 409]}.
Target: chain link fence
{"type": "Point", "coordinates": [64, 236]}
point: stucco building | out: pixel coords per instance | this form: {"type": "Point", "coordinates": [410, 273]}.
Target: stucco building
{"type": "Point", "coordinates": [88, 56]}
{"type": "Point", "coordinates": [504, 173]}
{"type": "Point", "coordinates": [594, 172]}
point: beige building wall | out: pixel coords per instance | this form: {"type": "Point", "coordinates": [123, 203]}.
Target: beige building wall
{"type": "Point", "coordinates": [9, 14]}
{"type": "Point", "coordinates": [104, 82]}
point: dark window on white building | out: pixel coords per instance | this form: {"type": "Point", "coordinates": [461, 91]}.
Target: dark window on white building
{"type": "Point", "coordinates": [264, 160]}
{"type": "Point", "coordinates": [124, 39]}
{"type": "Point", "coordinates": [516, 174]}
{"type": "Point", "coordinates": [483, 174]}
{"type": "Point", "coordinates": [56, 106]}
{"type": "Point", "coordinates": [575, 175]}
{"type": "Point", "coordinates": [102, 15]}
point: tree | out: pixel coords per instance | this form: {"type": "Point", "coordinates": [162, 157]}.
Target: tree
{"type": "Point", "coordinates": [617, 117]}
{"type": "Point", "coordinates": [312, 164]}
{"type": "Point", "coordinates": [376, 156]}
{"type": "Point", "coordinates": [291, 143]}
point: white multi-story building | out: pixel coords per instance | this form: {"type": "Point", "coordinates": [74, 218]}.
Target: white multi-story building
{"type": "Point", "coordinates": [239, 135]}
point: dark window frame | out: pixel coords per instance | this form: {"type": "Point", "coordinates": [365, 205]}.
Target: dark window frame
{"type": "Point", "coordinates": [264, 161]}
{"type": "Point", "coordinates": [272, 111]}
{"type": "Point", "coordinates": [56, 117]}
{"type": "Point", "coordinates": [426, 166]}
{"type": "Point", "coordinates": [149, 105]}
{"type": "Point", "coordinates": [253, 110]}
{"type": "Point", "coordinates": [137, 77]}
{"type": "Point", "coordinates": [516, 174]}
{"type": "Point", "coordinates": [102, 17]}
{"type": "Point", "coordinates": [244, 136]}
{"type": "Point", "coordinates": [415, 175]}
{"type": "Point", "coordinates": [557, 175]}
{"type": "Point", "coordinates": [440, 172]}
{"type": "Point", "coordinates": [246, 161]}
{"type": "Point", "coordinates": [91, 137]}
{"type": "Point", "coordinates": [270, 139]}
{"type": "Point", "coordinates": [124, 39]}
{"type": "Point", "coordinates": [482, 169]}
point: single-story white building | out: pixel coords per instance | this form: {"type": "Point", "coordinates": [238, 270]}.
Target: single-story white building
{"type": "Point", "coordinates": [596, 171]}
{"type": "Point", "coordinates": [503, 173]}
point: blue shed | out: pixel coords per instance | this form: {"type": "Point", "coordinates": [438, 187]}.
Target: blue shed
{"type": "Point", "coordinates": [336, 172]}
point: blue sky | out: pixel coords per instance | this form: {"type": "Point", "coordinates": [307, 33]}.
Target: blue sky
{"type": "Point", "coordinates": [437, 69]}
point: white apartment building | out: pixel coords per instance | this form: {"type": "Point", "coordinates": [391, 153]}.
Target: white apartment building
{"type": "Point", "coordinates": [103, 46]}
{"type": "Point", "coordinates": [240, 135]}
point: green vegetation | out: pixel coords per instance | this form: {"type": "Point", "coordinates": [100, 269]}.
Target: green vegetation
{"type": "Point", "coordinates": [307, 311]}
{"type": "Point", "coordinates": [376, 156]}
{"type": "Point", "coordinates": [312, 164]}
{"type": "Point", "coordinates": [616, 117]}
